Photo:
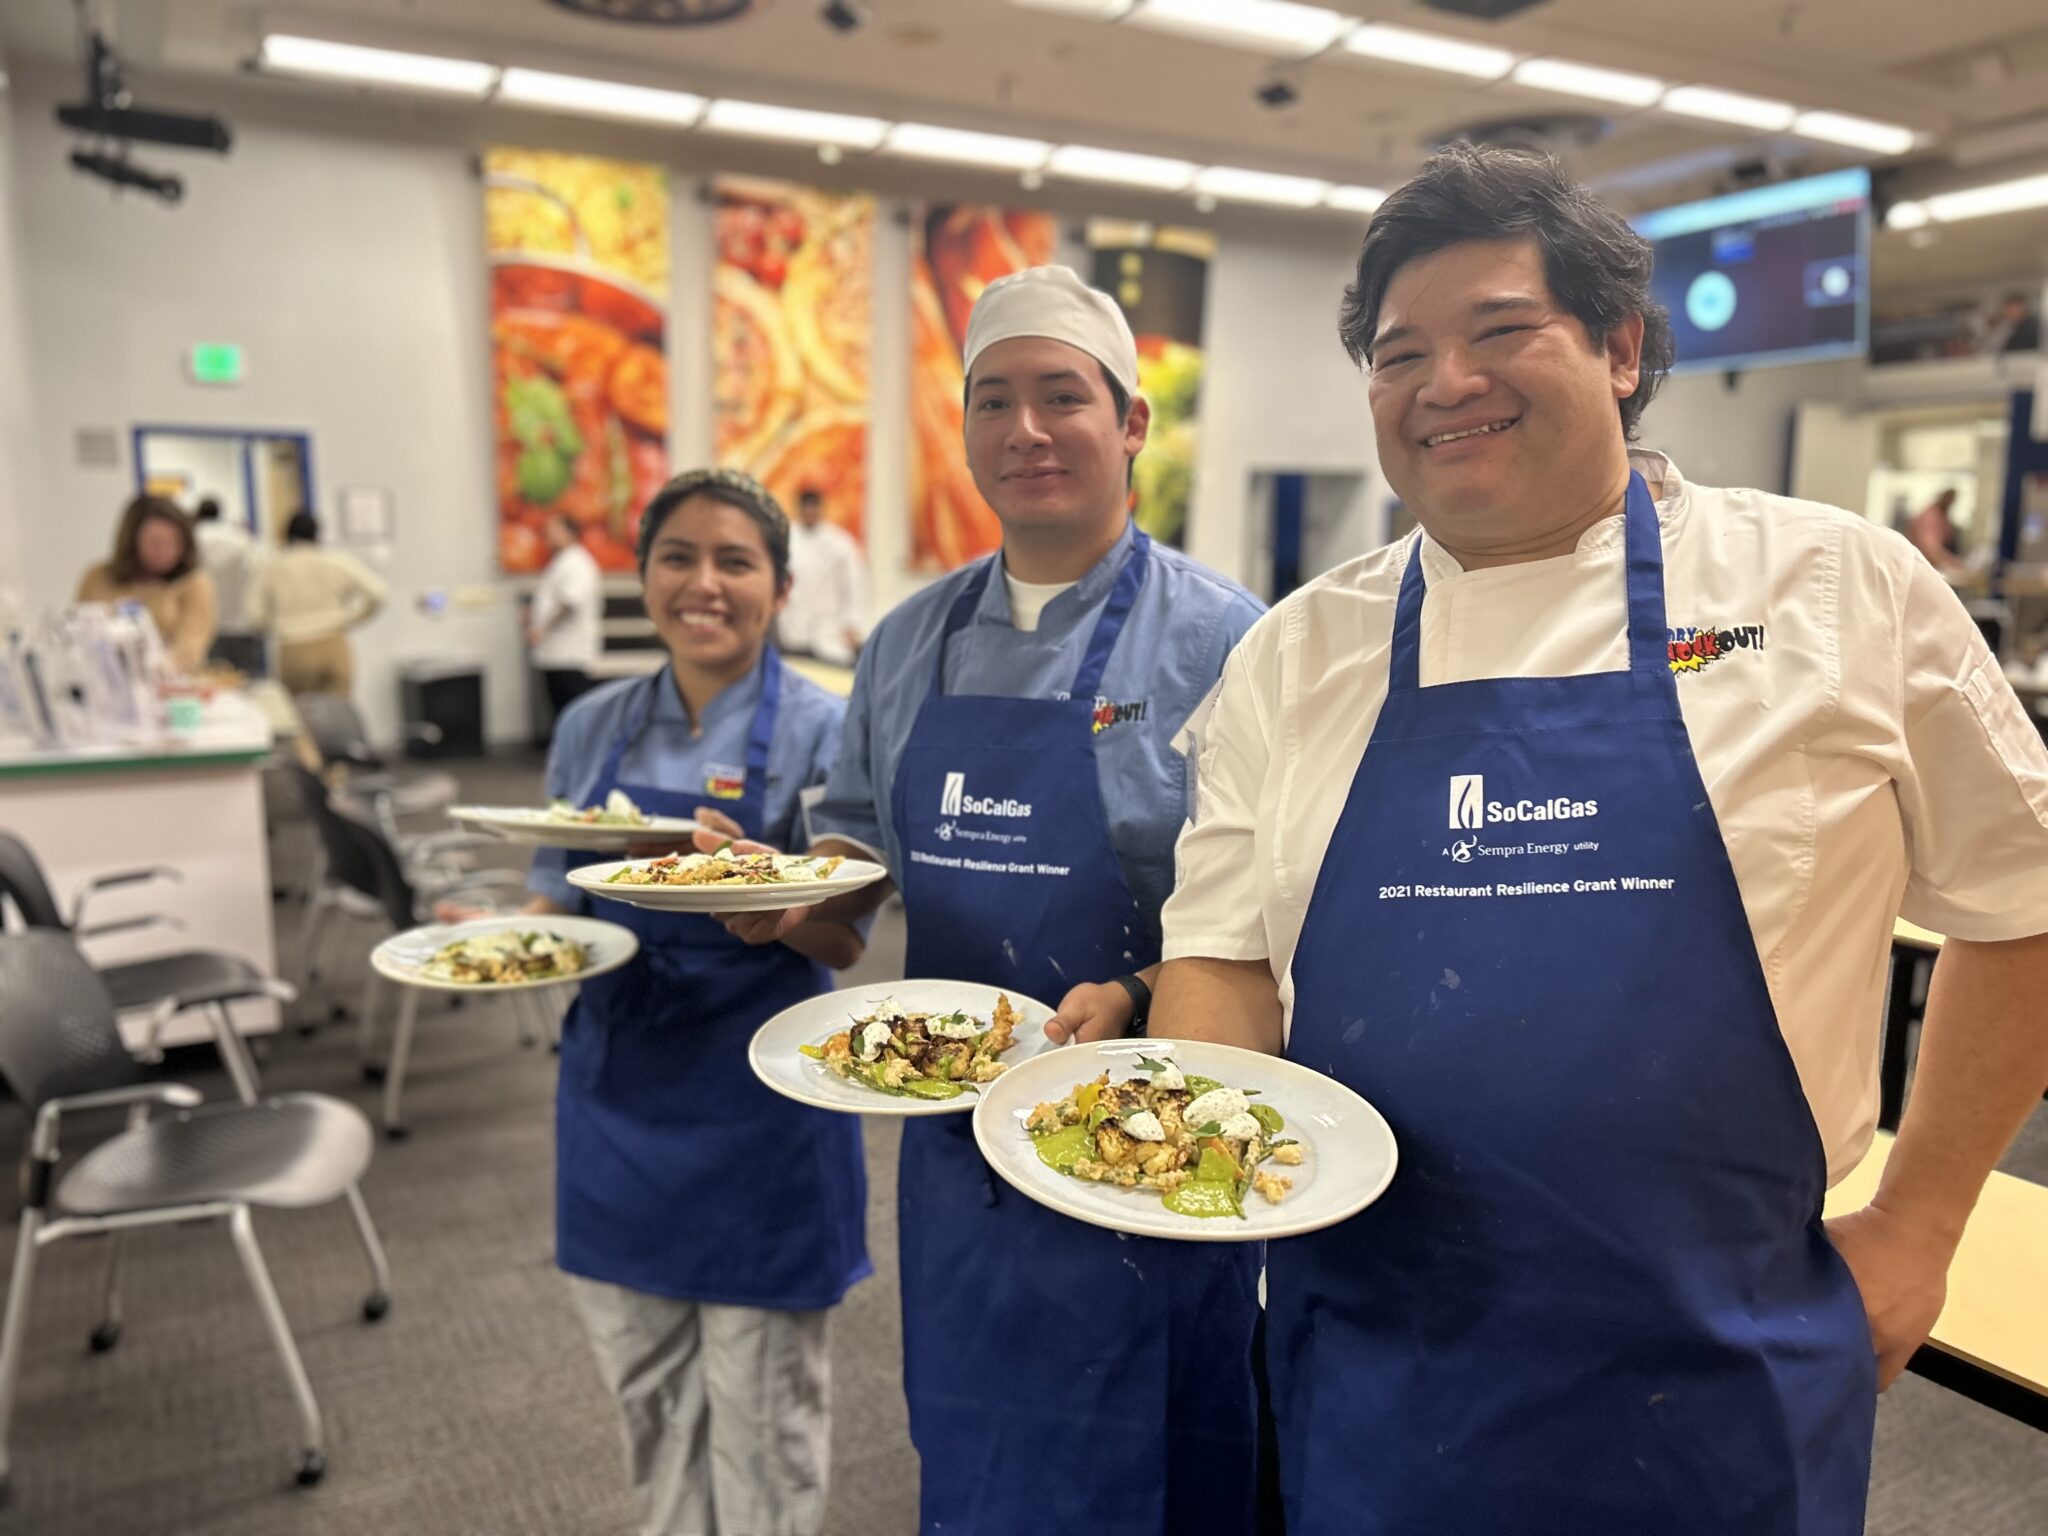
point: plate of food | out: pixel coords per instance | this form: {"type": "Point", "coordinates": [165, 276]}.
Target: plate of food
{"type": "Point", "coordinates": [726, 881]}
{"type": "Point", "coordinates": [514, 952]}
{"type": "Point", "coordinates": [1184, 1139]}
{"type": "Point", "coordinates": [899, 1047]}
{"type": "Point", "coordinates": [615, 824]}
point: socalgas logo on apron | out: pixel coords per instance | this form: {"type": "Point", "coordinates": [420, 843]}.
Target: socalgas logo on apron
{"type": "Point", "coordinates": [1471, 809]}
{"type": "Point", "coordinates": [955, 801]}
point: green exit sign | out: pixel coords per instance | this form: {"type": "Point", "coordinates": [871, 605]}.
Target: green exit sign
{"type": "Point", "coordinates": [216, 362]}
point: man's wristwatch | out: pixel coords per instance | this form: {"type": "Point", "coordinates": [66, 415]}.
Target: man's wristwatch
{"type": "Point", "coordinates": [1141, 1003]}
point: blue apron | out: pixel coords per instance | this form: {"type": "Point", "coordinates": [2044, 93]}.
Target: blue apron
{"type": "Point", "coordinates": [1597, 1297]}
{"type": "Point", "coordinates": [677, 1172]}
{"type": "Point", "coordinates": [1060, 1376]}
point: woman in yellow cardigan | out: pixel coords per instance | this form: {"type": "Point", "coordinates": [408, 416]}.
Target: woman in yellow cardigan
{"type": "Point", "coordinates": [156, 563]}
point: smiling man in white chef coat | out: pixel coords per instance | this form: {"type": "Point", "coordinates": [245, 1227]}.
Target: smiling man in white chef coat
{"type": "Point", "coordinates": [1570, 832]}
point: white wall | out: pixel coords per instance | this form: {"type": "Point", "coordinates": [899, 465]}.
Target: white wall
{"type": "Point", "coordinates": [1740, 435]}
{"type": "Point", "coordinates": [351, 271]}
{"type": "Point", "coordinates": [1278, 392]}
{"type": "Point", "coordinates": [15, 471]}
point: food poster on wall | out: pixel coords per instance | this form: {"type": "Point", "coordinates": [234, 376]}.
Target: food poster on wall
{"type": "Point", "coordinates": [579, 253]}
{"type": "Point", "coordinates": [956, 251]}
{"type": "Point", "coordinates": [1160, 277]}
{"type": "Point", "coordinates": [793, 327]}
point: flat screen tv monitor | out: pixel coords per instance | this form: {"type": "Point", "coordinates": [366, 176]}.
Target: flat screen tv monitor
{"type": "Point", "coordinates": [1776, 274]}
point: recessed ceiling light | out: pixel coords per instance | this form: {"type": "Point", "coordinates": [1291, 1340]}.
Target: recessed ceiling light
{"type": "Point", "coordinates": [1354, 199]}
{"type": "Point", "coordinates": [1906, 216]}
{"type": "Point", "coordinates": [1729, 107]}
{"type": "Point", "coordinates": [1279, 27]}
{"type": "Point", "coordinates": [1088, 164]}
{"type": "Point", "coordinates": [1570, 79]}
{"type": "Point", "coordinates": [602, 98]}
{"type": "Point", "coordinates": [926, 142]}
{"type": "Point", "coordinates": [291, 55]}
{"type": "Point", "coordinates": [1856, 132]}
{"type": "Point", "coordinates": [1234, 185]}
{"type": "Point", "coordinates": [1999, 197]}
{"type": "Point", "coordinates": [761, 121]}
{"type": "Point", "coordinates": [1094, 10]}
{"type": "Point", "coordinates": [1427, 50]}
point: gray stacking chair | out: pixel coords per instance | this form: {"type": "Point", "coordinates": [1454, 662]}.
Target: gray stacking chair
{"type": "Point", "coordinates": [195, 978]}
{"type": "Point", "coordinates": [61, 1054]}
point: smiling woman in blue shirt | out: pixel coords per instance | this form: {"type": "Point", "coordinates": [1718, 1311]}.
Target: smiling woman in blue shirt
{"type": "Point", "coordinates": [707, 1224]}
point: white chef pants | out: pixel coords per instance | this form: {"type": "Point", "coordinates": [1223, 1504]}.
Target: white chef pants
{"type": "Point", "coordinates": [727, 1416]}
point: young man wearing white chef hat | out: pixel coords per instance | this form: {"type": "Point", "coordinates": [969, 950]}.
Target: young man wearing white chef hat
{"type": "Point", "coordinates": [1571, 832]}
{"type": "Point", "coordinates": [1057, 1373]}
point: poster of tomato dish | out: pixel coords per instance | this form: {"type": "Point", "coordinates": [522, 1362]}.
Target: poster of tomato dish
{"type": "Point", "coordinates": [956, 251]}
{"type": "Point", "coordinates": [792, 328]}
{"type": "Point", "coordinates": [1159, 276]}
{"type": "Point", "coordinates": [579, 254]}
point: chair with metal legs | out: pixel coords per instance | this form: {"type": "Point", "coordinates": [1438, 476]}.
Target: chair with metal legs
{"type": "Point", "coordinates": [169, 985]}
{"type": "Point", "coordinates": [61, 1053]}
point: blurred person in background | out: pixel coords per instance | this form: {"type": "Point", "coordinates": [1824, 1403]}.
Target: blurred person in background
{"type": "Point", "coordinates": [829, 599]}
{"type": "Point", "coordinates": [156, 562]}
{"type": "Point", "coordinates": [312, 598]}
{"type": "Point", "coordinates": [229, 554]}
{"type": "Point", "coordinates": [2012, 327]}
{"type": "Point", "coordinates": [1935, 535]}
{"type": "Point", "coordinates": [565, 626]}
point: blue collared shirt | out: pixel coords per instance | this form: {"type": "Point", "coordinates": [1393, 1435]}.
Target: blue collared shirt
{"type": "Point", "coordinates": [1184, 623]}
{"type": "Point", "coordinates": [666, 754]}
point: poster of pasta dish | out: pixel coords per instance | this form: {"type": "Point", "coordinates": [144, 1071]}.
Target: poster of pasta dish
{"type": "Point", "coordinates": [792, 332]}
{"type": "Point", "coordinates": [1159, 276]}
{"type": "Point", "coordinates": [579, 259]}
{"type": "Point", "coordinates": [956, 251]}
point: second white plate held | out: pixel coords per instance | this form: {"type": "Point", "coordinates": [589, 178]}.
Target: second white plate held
{"type": "Point", "coordinates": [777, 1058]}
{"type": "Point", "coordinates": [1348, 1152]}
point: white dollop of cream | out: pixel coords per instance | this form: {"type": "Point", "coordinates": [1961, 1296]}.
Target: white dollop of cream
{"type": "Point", "coordinates": [872, 1038]}
{"type": "Point", "coordinates": [1243, 1125]}
{"type": "Point", "coordinates": [945, 1028]}
{"type": "Point", "coordinates": [1218, 1104]}
{"type": "Point", "coordinates": [1143, 1125]}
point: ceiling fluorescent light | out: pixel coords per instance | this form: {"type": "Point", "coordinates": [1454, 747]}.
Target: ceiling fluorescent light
{"type": "Point", "coordinates": [1270, 26]}
{"type": "Point", "coordinates": [376, 66]}
{"type": "Point", "coordinates": [1094, 10]}
{"type": "Point", "coordinates": [1233, 185]}
{"type": "Point", "coordinates": [1426, 50]}
{"type": "Point", "coordinates": [1354, 199]}
{"type": "Point", "coordinates": [926, 142]}
{"type": "Point", "coordinates": [1906, 216]}
{"type": "Point", "coordinates": [1729, 107]}
{"type": "Point", "coordinates": [1999, 197]}
{"type": "Point", "coordinates": [1856, 132]}
{"type": "Point", "coordinates": [765, 122]}
{"type": "Point", "coordinates": [1086, 164]}
{"type": "Point", "coordinates": [601, 98]}
{"type": "Point", "coordinates": [1570, 79]}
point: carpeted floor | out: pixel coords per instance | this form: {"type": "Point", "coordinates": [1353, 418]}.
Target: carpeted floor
{"type": "Point", "coordinates": [474, 1409]}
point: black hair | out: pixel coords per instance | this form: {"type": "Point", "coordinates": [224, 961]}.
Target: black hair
{"type": "Point", "coordinates": [1597, 267]}
{"type": "Point", "coordinates": [735, 489]}
{"type": "Point", "coordinates": [208, 510]}
{"type": "Point", "coordinates": [303, 528]}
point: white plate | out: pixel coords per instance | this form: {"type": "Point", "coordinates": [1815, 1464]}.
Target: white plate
{"type": "Point", "coordinates": [521, 824]}
{"type": "Point", "coordinates": [849, 876]}
{"type": "Point", "coordinates": [1348, 1147]}
{"type": "Point", "coordinates": [403, 956]}
{"type": "Point", "coordinates": [774, 1056]}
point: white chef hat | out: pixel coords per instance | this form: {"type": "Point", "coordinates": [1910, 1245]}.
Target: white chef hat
{"type": "Point", "coordinates": [1054, 303]}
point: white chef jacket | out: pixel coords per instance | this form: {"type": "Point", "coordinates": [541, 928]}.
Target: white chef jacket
{"type": "Point", "coordinates": [572, 588]}
{"type": "Point", "coordinates": [1864, 753]}
{"type": "Point", "coordinates": [828, 595]}
{"type": "Point", "coordinates": [231, 556]}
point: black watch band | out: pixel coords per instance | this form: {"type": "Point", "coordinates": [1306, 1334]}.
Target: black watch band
{"type": "Point", "coordinates": [1141, 1003]}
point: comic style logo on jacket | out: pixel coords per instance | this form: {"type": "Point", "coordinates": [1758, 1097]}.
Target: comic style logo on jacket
{"type": "Point", "coordinates": [723, 783]}
{"type": "Point", "coordinates": [1694, 647]}
{"type": "Point", "coordinates": [1108, 713]}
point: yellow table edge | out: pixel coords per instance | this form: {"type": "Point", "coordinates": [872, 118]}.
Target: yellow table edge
{"type": "Point", "coordinates": [1994, 1317]}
